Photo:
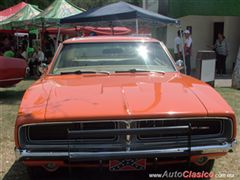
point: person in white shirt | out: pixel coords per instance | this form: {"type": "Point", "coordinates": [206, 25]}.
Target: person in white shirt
{"type": "Point", "coordinates": [37, 58]}
{"type": "Point", "coordinates": [178, 47]}
{"type": "Point", "coordinates": [38, 55]}
{"type": "Point", "coordinates": [188, 51]}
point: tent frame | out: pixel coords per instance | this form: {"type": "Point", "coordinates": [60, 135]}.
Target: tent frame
{"type": "Point", "coordinates": [136, 21]}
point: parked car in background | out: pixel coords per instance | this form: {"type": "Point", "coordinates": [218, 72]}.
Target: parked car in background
{"type": "Point", "coordinates": [120, 103]}
{"type": "Point", "coordinates": [12, 71]}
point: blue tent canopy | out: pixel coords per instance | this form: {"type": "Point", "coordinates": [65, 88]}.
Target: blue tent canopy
{"type": "Point", "coordinates": [118, 11]}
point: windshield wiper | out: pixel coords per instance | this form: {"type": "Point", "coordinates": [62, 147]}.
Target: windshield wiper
{"type": "Point", "coordinates": [139, 70]}
{"type": "Point", "coordinates": [85, 72]}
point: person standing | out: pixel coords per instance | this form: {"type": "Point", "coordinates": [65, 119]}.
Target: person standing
{"type": "Point", "coordinates": [188, 51]}
{"type": "Point", "coordinates": [48, 47]}
{"type": "Point", "coordinates": [38, 55]}
{"type": "Point", "coordinates": [221, 48]}
{"type": "Point", "coordinates": [37, 58]}
{"type": "Point", "coordinates": [25, 42]}
{"type": "Point", "coordinates": [178, 46]}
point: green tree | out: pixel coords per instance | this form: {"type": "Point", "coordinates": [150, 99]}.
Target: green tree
{"type": "Point", "coordinates": [42, 4]}
{"type": "Point", "coordinates": [86, 4]}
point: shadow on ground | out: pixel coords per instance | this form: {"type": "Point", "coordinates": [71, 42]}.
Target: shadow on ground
{"type": "Point", "coordinates": [11, 96]}
{"type": "Point", "coordinates": [19, 172]}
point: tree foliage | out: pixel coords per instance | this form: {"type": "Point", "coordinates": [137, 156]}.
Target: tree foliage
{"type": "Point", "coordinates": [86, 4]}
{"type": "Point", "coordinates": [42, 4]}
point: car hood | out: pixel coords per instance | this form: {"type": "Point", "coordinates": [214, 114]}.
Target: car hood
{"type": "Point", "coordinates": [119, 96]}
{"type": "Point", "coordinates": [75, 97]}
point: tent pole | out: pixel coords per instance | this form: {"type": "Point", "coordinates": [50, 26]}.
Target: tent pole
{"type": "Point", "coordinates": [112, 28]}
{"type": "Point", "coordinates": [58, 35]}
{"type": "Point", "coordinates": [37, 34]}
{"type": "Point", "coordinates": [76, 29]}
{"type": "Point", "coordinates": [136, 25]}
{"type": "Point", "coordinates": [42, 36]}
{"type": "Point", "coordinates": [17, 42]}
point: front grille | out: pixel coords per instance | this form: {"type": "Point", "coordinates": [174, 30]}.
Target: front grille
{"type": "Point", "coordinates": [59, 132]}
{"type": "Point", "coordinates": [199, 128]}
{"type": "Point", "coordinates": [144, 134]}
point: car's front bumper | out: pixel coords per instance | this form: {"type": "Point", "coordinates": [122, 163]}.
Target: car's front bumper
{"type": "Point", "coordinates": [23, 154]}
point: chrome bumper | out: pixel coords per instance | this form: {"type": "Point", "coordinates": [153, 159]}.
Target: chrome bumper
{"type": "Point", "coordinates": [23, 154]}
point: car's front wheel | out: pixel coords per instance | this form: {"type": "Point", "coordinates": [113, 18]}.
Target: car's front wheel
{"type": "Point", "coordinates": [35, 172]}
{"type": "Point", "coordinates": [206, 167]}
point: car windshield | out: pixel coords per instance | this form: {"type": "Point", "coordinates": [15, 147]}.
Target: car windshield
{"type": "Point", "coordinates": [112, 57]}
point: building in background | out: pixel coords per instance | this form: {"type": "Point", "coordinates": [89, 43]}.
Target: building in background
{"type": "Point", "coordinates": [206, 18]}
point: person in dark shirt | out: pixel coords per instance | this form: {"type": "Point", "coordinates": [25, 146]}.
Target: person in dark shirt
{"type": "Point", "coordinates": [48, 47]}
{"type": "Point", "coordinates": [221, 48]}
{"type": "Point", "coordinates": [25, 42]}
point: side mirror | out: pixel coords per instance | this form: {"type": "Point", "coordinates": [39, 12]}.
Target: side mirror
{"type": "Point", "coordinates": [180, 64]}
{"type": "Point", "coordinates": [43, 68]}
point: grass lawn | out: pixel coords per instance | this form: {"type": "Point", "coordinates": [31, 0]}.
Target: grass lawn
{"type": "Point", "coordinates": [10, 99]}
{"type": "Point", "coordinates": [230, 163]}
{"type": "Point", "coordinates": [9, 102]}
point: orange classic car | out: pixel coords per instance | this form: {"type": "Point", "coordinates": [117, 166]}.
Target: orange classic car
{"type": "Point", "coordinates": [120, 103]}
{"type": "Point", "coordinates": [12, 71]}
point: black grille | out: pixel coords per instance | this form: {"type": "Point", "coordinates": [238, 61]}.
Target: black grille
{"type": "Point", "coordinates": [59, 132]}
{"type": "Point", "coordinates": [199, 127]}
{"type": "Point", "coordinates": [203, 131]}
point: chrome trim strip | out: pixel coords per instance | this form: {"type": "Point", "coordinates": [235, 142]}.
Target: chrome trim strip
{"type": "Point", "coordinates": [127, 120]}
{"type": "Point", "coordinates": [86, 156]}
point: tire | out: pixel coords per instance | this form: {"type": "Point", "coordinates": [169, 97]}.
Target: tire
{"type": "Point", "coordinates": [206, 167]}
{"type": "Point", "coordinates": [36, 172]}
{"type": "Point", "coordinates": [40, 173]}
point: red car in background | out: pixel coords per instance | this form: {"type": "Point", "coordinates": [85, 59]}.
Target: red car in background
{"type": "Point", "coordinates": [12, 71]}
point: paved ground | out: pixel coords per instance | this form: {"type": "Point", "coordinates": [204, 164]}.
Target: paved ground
{"type": "Point", "coordinates": [18, 171]}
{"type": "Point", "coordinates": [223, 83]}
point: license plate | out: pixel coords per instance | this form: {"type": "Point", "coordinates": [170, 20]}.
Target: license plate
{"type": "Point", "coordinates": [127, 165]}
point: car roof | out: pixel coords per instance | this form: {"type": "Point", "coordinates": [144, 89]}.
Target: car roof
{"type": "Point", "coordinates": [109, 39]}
